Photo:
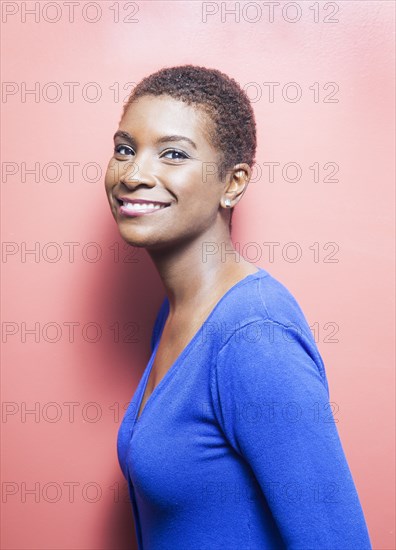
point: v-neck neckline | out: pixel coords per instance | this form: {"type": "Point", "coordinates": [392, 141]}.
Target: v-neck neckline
{"type": "Point", "coordinates": [137, 417]}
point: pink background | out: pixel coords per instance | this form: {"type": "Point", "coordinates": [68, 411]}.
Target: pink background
{"type": "Point", "coordinates": [355, 293]}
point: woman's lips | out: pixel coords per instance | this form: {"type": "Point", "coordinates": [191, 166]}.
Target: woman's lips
{"type": "Point", "coordinates": [136, 209]}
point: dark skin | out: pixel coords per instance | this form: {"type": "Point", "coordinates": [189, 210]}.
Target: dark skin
{"type": "Point", "coordinates": [177, 237]}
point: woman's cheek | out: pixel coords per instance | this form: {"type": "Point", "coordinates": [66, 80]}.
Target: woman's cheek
{"type": "Point", "coordinates": [111, 172]}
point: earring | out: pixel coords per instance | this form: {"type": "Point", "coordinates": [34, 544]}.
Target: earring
{"type": "Point", "coordinates": [227, 202]}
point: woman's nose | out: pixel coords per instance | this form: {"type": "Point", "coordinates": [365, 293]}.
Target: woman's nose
{"type": "Point", "coordinates": [136, 174]}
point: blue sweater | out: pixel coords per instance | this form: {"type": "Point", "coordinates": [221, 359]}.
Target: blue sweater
{"type": "Point", "coordinates": [237, 448]}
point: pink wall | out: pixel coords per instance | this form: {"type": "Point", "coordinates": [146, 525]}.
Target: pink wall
{"type": "Point", "coordinates": [348, 292]}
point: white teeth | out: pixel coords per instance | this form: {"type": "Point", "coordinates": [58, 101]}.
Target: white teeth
{"type": "Point", "coordinates": [139, 207]}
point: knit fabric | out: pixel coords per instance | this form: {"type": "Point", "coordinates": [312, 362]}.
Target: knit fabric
{"type": "Point", "coordinates": [237, 447]}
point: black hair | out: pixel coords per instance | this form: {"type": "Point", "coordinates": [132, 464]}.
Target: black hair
{"type": "Point", "coordinates": [221, 97]}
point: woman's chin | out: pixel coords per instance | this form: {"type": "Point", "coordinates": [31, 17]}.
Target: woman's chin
{"type": "Point", "coordinates": [133, 239]}
{"type": "Point", "coordinates": [140, 239]}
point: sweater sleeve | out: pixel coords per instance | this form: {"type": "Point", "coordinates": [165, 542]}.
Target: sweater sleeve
{"type": "Point", "coordinates": [271, 399]}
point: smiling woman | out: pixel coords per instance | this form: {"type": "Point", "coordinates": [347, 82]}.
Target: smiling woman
{"type": "Point", "coordinates": [228, 441]}
{"type": "Point", "coordinates": [166, 158]}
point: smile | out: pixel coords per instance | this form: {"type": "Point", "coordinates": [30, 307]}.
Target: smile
{"type": "Point", "coordinates": [139, 209]}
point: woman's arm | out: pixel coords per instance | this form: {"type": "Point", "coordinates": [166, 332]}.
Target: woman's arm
{"type": "Point", "coordinates": [271, 397]}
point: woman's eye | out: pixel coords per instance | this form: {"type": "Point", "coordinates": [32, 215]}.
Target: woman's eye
{"type": "Point", "coordinates": [119, 149]}
{"type": "Point", "coordinates": [173, 154]}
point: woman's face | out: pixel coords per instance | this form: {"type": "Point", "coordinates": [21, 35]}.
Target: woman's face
{"type": "Point", "coordinates": [162, 154]}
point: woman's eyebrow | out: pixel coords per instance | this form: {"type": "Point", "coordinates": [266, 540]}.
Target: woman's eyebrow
{"type": "Point", "coordinates": [125, 135]}
{"type": "Point", "coordinates": [176, 138]}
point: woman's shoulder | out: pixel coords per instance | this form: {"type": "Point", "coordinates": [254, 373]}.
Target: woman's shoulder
{"type": "Point", "coordinates": [264, 298]}
{"type": "Point", "coordinates": [280, 304]}
{"type": "Point", "coordinates": [268, 327]}
{"type": "Point", "coordinates": [261, 297]}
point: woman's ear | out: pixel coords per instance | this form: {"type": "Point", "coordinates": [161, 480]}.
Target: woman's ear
{"type": "Point", "coordinates": [237, 182]}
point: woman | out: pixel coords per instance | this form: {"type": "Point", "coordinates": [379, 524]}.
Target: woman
{"type": "Point", "coordinates": [229, 441]}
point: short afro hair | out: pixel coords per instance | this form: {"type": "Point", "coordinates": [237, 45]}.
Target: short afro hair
{"type": "Point", "coordinates": [218, 95]}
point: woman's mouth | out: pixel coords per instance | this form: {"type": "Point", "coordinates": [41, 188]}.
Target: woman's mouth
{"type": "Point", "coordinates": [132, 209]}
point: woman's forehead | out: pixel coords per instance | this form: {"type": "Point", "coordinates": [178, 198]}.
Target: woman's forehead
{"type": "Point", "coordinates": [164, 115]}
